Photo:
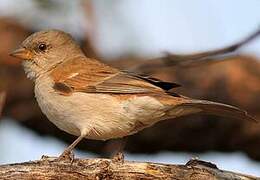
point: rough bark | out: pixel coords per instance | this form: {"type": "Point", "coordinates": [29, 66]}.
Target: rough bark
{"type": "Point", "coordinates": [109, 169]}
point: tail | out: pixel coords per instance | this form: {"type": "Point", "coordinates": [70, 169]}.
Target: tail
{"type": "Point", "coordinates": [193, 106]}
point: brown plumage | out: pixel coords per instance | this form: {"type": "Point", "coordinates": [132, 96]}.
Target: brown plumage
{"type": "Point", "coordinates": [89, 99]}
{"type": "Point", "coordinates": [78, 74]}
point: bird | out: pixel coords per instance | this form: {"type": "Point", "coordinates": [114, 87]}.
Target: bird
{"type": "Point", "coordinates": [90, 99]}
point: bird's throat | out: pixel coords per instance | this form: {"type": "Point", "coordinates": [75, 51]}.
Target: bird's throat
{"type": "Point", "coordinates": [32, 70]}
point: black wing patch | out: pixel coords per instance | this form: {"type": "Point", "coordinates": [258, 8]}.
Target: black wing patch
{"type": "Point", "coordinates": [157, 82]}
{"type": "Point", "coordinates": [162, 84]}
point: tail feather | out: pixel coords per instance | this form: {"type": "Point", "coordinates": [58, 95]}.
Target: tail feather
{"type": "Point", "coordinates": [208, 107]}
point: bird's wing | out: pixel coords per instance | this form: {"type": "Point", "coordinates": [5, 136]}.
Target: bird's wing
{"type": "Point", "coordinates": [91, 76]}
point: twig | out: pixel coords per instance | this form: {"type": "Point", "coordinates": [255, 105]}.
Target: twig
{"type": "Point", "coordinates": [186, 60]}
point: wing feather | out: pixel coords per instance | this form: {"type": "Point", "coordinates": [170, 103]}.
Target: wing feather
{"type": "Point", "coordinates": [91, 76]}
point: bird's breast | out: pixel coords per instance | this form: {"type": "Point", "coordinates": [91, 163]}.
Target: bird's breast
{"type": "Point", "coordinates": [102, 115]}
{"type": "Point", "coordinates": [55, 106]}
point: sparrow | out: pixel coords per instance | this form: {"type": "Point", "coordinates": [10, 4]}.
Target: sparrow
{"type": "Point", "coordinates": [89, 99]}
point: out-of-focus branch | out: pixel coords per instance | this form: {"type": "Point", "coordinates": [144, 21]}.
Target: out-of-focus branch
{"type": "Point", "coordinates": [2, 100]}
{"type": "Point", "coordinates": [197, 58]}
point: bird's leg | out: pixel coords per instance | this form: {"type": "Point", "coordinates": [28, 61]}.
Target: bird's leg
{"type": "Point", "coordinates": [67, 154]}
{"type": "Point", "coordinates": [118, 157]}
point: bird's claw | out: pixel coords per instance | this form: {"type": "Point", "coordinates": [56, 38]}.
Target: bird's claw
{"type": "Point", "coordinates": [118, 157]}
{"type": "Point", "coordinates": [66, 156]}
{"type": "Point", "coordinates": [46, 159]}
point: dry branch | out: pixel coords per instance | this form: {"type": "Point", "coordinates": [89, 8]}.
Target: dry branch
{"type": "Point", "coordinates": [2, 100]}
{"type": "Point", "coordinates": [197, 58]}
{"type": "Point", "coordinates": [109, 169]}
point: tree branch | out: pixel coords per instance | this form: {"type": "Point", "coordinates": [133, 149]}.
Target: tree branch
{"type": "Point", "coordinates": [109, 169]}
{"type": "Point", "coordinates": [194, 59]}
{"type": "Point", "coordinates": [2, 100]}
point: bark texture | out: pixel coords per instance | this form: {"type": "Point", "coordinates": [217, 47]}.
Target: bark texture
{"type": "Point", "coordinates": [109, 169]}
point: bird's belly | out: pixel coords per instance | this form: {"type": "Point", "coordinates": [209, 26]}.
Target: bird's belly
{"type": "Point", "coordinates": [102, 116]}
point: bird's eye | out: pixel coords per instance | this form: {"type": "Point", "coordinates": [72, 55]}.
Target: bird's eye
{"type": "Point", "coordinates": [42, 47]}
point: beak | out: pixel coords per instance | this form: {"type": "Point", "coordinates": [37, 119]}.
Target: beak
{"type": "Point", "coordinates": [22, 53]}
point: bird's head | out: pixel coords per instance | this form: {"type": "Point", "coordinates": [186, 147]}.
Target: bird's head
{"type": "Point", "coordinates": [44, 50]}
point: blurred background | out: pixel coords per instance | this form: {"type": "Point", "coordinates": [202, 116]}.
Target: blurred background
{"type": "Point", "coordinates": [139, 35]}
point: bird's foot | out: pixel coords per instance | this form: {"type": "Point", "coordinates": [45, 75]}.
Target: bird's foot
{"type": "Point", "coordinates": [66, 156]}
{"type": "Point", "coordinates": [118, 157]}
{"type": "Point", "coordinates": [46, 159]}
